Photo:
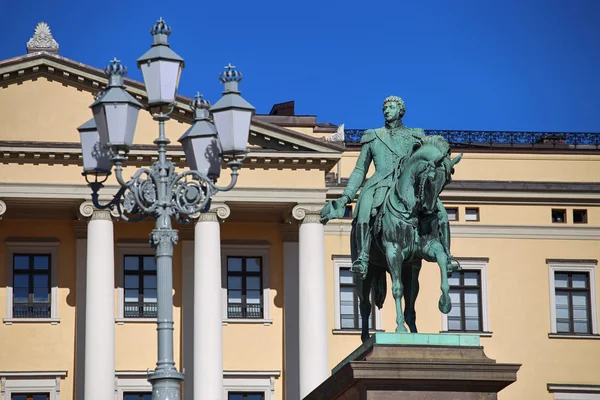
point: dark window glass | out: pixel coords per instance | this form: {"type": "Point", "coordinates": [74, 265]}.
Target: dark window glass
{"type": "Point", "coordinates": [245, 396]}
{"type": "Point", "coordinates": [244, 287]}
{"type": "Point", "coordinates": [465, 294]}
{"type": "Point", "coordinates": [580, 216]}
{"type": "Point", "coordinates": [31, 285]}
{"type": "Point", "coordinates": [139, 277]}
{"type": "Point", "coordinates": [573, 305]}
{"type": "Point", "coordinates": [35, 396]}
{"type": "Point", "coordinates": [137, 396]}
{"type": "Point", "coordinates": [349, 305]}
{"type": "Point", "coordinates": [559, 216]}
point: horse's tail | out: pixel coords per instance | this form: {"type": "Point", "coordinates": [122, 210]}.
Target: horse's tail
{"type": "Point", "coordinates": [379, 286]}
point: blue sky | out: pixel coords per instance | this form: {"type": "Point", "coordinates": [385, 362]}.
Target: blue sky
{"type": "Point", "coordinates": [461, 64]}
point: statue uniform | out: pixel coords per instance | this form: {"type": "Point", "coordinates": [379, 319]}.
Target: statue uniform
{"type": "Point", "coordinates": [387, 148]}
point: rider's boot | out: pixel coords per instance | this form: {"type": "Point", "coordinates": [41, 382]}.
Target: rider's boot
{"type": "Point", "coordinates": [361, 264]}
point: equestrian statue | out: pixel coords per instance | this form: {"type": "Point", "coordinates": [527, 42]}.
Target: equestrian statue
{"type": "Point", "coordinates": [399, 219]}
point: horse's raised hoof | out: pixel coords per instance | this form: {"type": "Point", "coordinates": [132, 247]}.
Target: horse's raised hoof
{"type": "Point", "coordinates": [401, 329]}
{"type": "Point", "coordinates": [445, 304]}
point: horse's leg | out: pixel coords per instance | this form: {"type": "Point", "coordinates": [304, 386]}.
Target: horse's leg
{"type": "Point", "coordinates": [410, 279]}
{"type": "Point", "coordinates": [394, 260]}
{"type": "Point", "coordinates": [364, 292]}
{"type": "Point", "coordinates": [436, 252]}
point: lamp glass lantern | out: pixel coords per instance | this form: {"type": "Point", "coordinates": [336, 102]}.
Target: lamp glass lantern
{"type": "Point", "coordinates": [232, 115]}
{"type": "Point", "coordinates": [161, 67]}
{"type": "Point", "coordinates": [116, 111]}
{"type": "Point", "coordinates": [96, 158]}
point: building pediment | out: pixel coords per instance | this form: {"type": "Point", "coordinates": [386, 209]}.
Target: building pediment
{"type": "Point", "coordinates": [264, 136]}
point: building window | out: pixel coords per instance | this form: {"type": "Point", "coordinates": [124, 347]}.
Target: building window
{"type": "Point", "coordinates": [32, 277]}
{"type": "Point", "coordinates": [347, 310]}
{"type": "Point", "coordinates": [471, 214]}
{"type": "Point", "coordinates": [350, 317]}
{"type": "Point", "coordinates": [465, 293]}
{"type": "Point", "coordinates": [31, 285]}
{"type": "Point", "coordinates": [137, 396]}
{"type": "Point", "coordinates": [573, 297]}
{"type": "Point", "coordinates": [468, 293]}
{"type": "Point", "coordinates": [573, 308]}
{"type": "Point", "coordinates": [452, 213]}
{"type": "Point", "coordinates": [244, 287]}
{"type": "Point", "coordinates": [246, 396]}
{"type": "Point", "coordinates": [136, 282]}
{"type": "Point", "coordinates": [580, 216]}
{"type": "Point", "coordinates": [249, 385]}
{"type": "Point", "coordinates": [246, 297]}
{"type": "Point", "coordinates": [139, 286]}
{"type": "Point", "coordinates": [41, 385]}
{"type": "Point", "coordinates": [559, 216]}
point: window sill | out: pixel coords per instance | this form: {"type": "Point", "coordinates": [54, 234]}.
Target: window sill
{"type": "Point", "coordinates": [572, 336]}
{"type": "Point", "coordinates": [354, 331]}
{"type": "Point", "coordinates": [481, 334]}
{"type": "Point", "coordinates": [121, 321]}
{"type": "Point", "coordinates": [10, 321]}
{"type": "Point", "coordinates": [265, 322]}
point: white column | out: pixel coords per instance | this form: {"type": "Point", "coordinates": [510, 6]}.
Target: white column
{"type": "Point", "coordinates": [314, 366]}
{"type": "Point", "coordinates": [208, 312]}
{"type": "Point", "coordinates": [99, 309]}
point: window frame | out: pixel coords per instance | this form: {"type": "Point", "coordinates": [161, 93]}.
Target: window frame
{"type": "Point", "coordinates": [456, 209]}
{"type": "Point", "coordinates": [140, 273]}
{"type": "Point", "coordinates": [478, 214]}
{"type": "Point", "coordinates": [250, 381]}
{"type": "Point", "coordinates": [247, 250]}
{"type": "Point", "coordinates": [481, 265]}
{"type": "Point", "coordinates": [131, 381]}
{"type": "Point", "coordinates": [568, 266]}
{"type": "Point", "coordinates": [339, 262]}
{"type": "Point", "coordinates": [32, 246]}
{"type": "Point", "coordinates": [32, 382]}
{"type": "Point", "coordinates": [129, 249]}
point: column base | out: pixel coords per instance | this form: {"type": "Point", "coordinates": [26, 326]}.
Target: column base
{"type": "Point", "coordinates": [417, 367]}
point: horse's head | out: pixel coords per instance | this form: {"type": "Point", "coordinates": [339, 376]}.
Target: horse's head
{"type": "Point", "coordinates": [436, 172]}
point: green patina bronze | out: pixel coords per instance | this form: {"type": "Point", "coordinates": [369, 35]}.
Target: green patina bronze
{"type": "Point", "coordinates": [399, 219]}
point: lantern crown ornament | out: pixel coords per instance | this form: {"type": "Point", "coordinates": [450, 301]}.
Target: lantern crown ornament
{"type": "Point", "coordinates": [116, 111]}
{"type": "Point", "coordinates": [161, 67]}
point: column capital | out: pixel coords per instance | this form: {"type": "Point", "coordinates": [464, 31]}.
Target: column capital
{"type": "Point", "coordinates": [2, 208]}
{"type": "Point", "coordinates": [217, 211]}
{"type": "Point", "coordinates": [87, 210]}
{"type": "Point", "coordinates": [308, 213]}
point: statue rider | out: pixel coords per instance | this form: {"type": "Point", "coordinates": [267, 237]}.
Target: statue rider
{"type": "Point", "coordinates": [388, 148]}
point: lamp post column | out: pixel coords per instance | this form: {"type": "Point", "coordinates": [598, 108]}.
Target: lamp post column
{"type": "Point", "coordinates": [99, 307]}
{"type": "Point", "coordinates": [313, 300]}
{"type": "Point", "coordinates": [208, 300]}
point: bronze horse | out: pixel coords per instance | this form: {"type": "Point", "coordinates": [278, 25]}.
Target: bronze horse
{"type": "Point", "coordinates": [406, 230]}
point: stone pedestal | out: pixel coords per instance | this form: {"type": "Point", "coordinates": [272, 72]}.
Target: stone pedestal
{"type": "Point", "coordinates": [417, 367]}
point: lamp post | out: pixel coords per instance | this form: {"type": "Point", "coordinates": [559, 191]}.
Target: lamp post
{"type": "Point", "coordinates": [160, 192]}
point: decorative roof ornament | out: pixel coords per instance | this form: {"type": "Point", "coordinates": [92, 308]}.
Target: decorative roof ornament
{"type": "Point", "coordinates": [42, 40]}
{"type": "Point", "coordinates": [338, 136]}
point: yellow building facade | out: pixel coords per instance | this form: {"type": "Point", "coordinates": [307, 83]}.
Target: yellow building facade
{"type": "Point", "coordinates": [525, 226]}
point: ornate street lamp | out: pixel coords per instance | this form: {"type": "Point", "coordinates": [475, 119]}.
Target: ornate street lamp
{"type": "Point", "coordinates": [159, 192]}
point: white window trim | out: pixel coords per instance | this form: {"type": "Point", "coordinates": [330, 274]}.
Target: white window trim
{"type": "Point", "coordinates": [123, 249]}
{"type": "Point", "coordinates": [131, 381]}
{"type": "Point", "coordinates": [574, 392]}
{"type": "Point", "coordinates": [338, 263]}
{"type": "Point", "coordinates": [248, 250]}
{"type": "Point", "coordinates": [32, 246]}
{"type": "Point", "coordinates": [31, 382]}
{"type": "Point", "coordinates": [572, 266]}
{"type": "Point", "coordinates": [250, 381]}
{"type": "Point", "coordinates": [480, 264]}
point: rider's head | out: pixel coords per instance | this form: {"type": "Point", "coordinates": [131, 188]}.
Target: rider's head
{"type": "Point", "coordinates": [393, 108]}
